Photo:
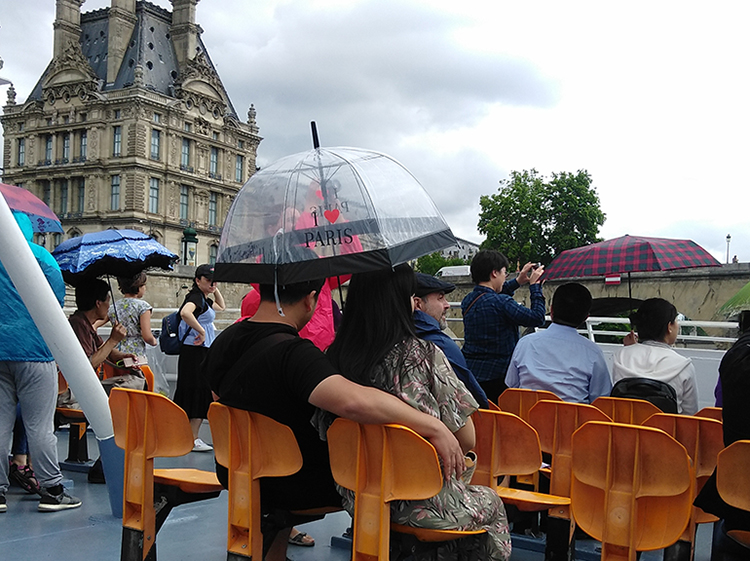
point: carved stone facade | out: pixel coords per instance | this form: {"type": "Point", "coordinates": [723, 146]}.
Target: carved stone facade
{"type": "Point", "coordinates": [152, 147]}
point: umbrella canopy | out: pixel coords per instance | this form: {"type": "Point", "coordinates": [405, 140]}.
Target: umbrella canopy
{"type": "Point", "coordinates": [737, 303]}
{"type": "Point", "coordinates": [120, 253]}
{"type": "Point", "coordinates": [43, 220]}
{"type": "Point", "coordinates": [629, 254]}
{"type": "Point", "coordinates": [327, 212]}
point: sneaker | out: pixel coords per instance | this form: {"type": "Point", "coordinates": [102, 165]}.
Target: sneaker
{"type": "Point", "coordinates": [53, 503]}
{"type": "Point", "coordinates": [24, 477]}
{"type": "Point", "coordinates": [3, 504]}
{"type": "Point", "coordinates": [200, 446]}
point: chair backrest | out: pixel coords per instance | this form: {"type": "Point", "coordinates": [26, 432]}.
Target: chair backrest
{"type": "Point", "coordinates": [632, 487]}
{"type": "Point", "coordinates": [659, 393]}
{"type": "Point", "coordinates": [250, 446]}
{"type": "Point", "coordinates": [625, 410]}
{"type": "Point", "coordinates": [555, 422]}
{"type": "Point", "coordinates": [149, 375]}
{"type": "Point", "coordinates": [62, 383]}
{"type": "Point", "coordinates": [732, 474]}
{"type": "Point", "coordinates": [380, 463]}
{"type": "Point", "coordinates": [703, 438]}
{"type": "Point", "coordinates": [519, 401]}
{"type": "Point", "coordinates": [147, 425]}
{"type": "Point", "coordinates": [505, 445]}
{"type": "Point", "coordinates": [716, 413]}
{"type": "Point", "coordinates": [733, 483]}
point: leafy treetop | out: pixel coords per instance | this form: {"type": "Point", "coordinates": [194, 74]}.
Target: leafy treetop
{"type": "Point", "coordinates": [531, 218]}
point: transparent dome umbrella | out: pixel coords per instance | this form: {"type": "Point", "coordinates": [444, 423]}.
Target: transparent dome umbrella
{"type": "Point", "coordinates": [328, 212]}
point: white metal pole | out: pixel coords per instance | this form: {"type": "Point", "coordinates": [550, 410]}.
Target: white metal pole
{"type": "Point", "coordinates": [49, 318]}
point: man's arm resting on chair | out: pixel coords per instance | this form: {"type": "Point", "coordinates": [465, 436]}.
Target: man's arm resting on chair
{"type": "Point", "coordinates": [373, 406]}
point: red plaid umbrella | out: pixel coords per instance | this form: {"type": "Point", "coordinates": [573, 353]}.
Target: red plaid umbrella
{"type": "Point", "coordinates": [629, 254]}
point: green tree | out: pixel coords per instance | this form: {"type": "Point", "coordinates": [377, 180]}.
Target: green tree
{"type": "Point", "coordinates": [533, 219]}
{"type": "Point", "coordinates": [432, 263]}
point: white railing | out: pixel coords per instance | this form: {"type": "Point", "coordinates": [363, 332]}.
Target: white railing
{"type": "Point", "coordinates": [690, 330]}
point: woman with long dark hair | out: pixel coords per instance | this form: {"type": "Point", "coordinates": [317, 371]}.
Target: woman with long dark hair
{"type": "Point", "coordinates": [653, 356]}
{"type": "Point", "coordinates": [193, 393]}
{"type": "Point", "coordinates": [376, 345]}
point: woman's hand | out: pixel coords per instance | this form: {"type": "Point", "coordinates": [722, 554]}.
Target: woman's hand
{"type": "Point", "coordinates": [450, 452]}
{"type": "Point", "coordinates": [199, 338]}
{"type": "Point", "coordinates": [630, 339]}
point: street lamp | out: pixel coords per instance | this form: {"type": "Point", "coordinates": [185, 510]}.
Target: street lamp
{"type": "Point", "coordinates": [189, 246]}
{"type": "Point", "coordinates": [729, 239]}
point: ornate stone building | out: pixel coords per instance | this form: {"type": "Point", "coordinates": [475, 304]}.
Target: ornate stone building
{"type": "Point", "coordinates": [130, 127]}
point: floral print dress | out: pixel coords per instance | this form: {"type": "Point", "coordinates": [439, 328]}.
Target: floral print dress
{"type": "Point", "coordinates": [418, 373]}
{"type": "Point", "coordinates": [129, 312]}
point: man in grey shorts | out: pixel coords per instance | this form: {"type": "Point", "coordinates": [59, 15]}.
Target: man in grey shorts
{"type": "Point", "coordinates": [28, 376]}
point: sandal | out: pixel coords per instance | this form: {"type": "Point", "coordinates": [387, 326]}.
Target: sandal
{"type": "Point", "coordinates": [24, 477]}
{"type": "Point", "coordinates": [302, 539]}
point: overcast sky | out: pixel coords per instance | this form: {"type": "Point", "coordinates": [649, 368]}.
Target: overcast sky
{"type": "Point", "coordinates": [651, 98]}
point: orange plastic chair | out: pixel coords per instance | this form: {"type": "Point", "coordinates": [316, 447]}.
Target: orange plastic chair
{"type": "Point", "coordinates": [703, 439]}
{"type": "Point", "coordinates": [78, 448]}
{"type": "Point", "coordinates": [632, 488]}
{"type": "Point", "coordinates": [148, 425]}
{"type": "Point", "coordinates": [626, 411]}
{"type": "Point", "coordinates": [250, 446]}
{"type": "Point", "coordinates": [149, 375]}
{"type": "Point", "coordinates": [555, 422]}
{"type": "Point", "coordinates": [733, 483]}
{"type": "Point", "coordinates": [716, 413]}
{"type": "Point", "coordinates": [383, 463]}
{"type": "Point", "coordinates": [508, 445]}
{"type": "Point", "coordinates": [519, 401]}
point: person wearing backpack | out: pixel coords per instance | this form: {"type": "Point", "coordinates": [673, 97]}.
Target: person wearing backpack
{"type": "Point", "coordinates": [652, 356]}
{"type": "Point", "coordinates": [196, 333]}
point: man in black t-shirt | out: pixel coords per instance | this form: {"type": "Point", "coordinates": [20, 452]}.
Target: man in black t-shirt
{"type": "Point", "coordinates": [286, 380]}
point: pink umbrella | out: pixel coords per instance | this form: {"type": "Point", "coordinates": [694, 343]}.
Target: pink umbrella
{"type": "Point", "coordinates": [20, 200]}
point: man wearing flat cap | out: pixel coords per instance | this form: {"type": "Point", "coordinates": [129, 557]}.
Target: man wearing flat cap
{"type": "Point", "coordinates": [429, 319]}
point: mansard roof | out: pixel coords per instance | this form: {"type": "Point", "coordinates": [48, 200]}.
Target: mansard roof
{"type": "Point", "coordinates": [150, 46]}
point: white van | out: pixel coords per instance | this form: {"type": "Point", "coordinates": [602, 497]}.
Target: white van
{"type": "Point", "coordinates": [454, 271]}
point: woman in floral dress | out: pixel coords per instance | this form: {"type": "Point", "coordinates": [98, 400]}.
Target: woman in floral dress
{"type": "Point", "coordinates": [134, 314]}
{"type": "Point", "coordinates": [377, 346]}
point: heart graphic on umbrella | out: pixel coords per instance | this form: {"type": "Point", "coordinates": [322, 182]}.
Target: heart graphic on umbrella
{"type": "Point", "coordinates": [332, 215]}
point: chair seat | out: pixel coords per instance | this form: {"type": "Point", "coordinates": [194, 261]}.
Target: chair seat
{"type": "Point", "coordinates": [742, 537]}
{"type": "Point", "coordinates": [530, 501]}
{"type": "Point", "coordinates": [188, 480]}
{"type": "Point", "coordinates": [433, 535]}
{"type": "Point", "coordinates": [70, 413]}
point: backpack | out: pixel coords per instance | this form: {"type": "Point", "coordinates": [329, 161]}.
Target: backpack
{"type": "Point", "coordinates": [169, 341]}
{"type": "Point", "coordinates": [657, 392]}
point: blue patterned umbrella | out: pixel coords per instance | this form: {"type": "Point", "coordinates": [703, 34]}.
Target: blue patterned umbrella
{"type": "Point", "coordinates": [120, 253]}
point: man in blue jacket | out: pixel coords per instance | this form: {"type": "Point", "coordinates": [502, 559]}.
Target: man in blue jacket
{"type": "Point", "coordinates": [28, 376]}
{"type": "Point", "coordinates": [429, 319]}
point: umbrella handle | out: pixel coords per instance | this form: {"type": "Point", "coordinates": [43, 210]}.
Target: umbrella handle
{"type": "Point", "coordinates": [109, 282]}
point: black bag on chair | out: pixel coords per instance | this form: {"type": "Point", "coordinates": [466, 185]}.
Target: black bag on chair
{"type": "Point", "coordinates": [657, 392]}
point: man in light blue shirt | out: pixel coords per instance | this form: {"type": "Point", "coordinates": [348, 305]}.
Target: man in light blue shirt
{"type": "Point", "coordinates": [559, 359]}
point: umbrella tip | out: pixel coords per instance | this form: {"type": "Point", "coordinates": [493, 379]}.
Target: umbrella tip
{"type": "Point", "coordinates": [316, 142]}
